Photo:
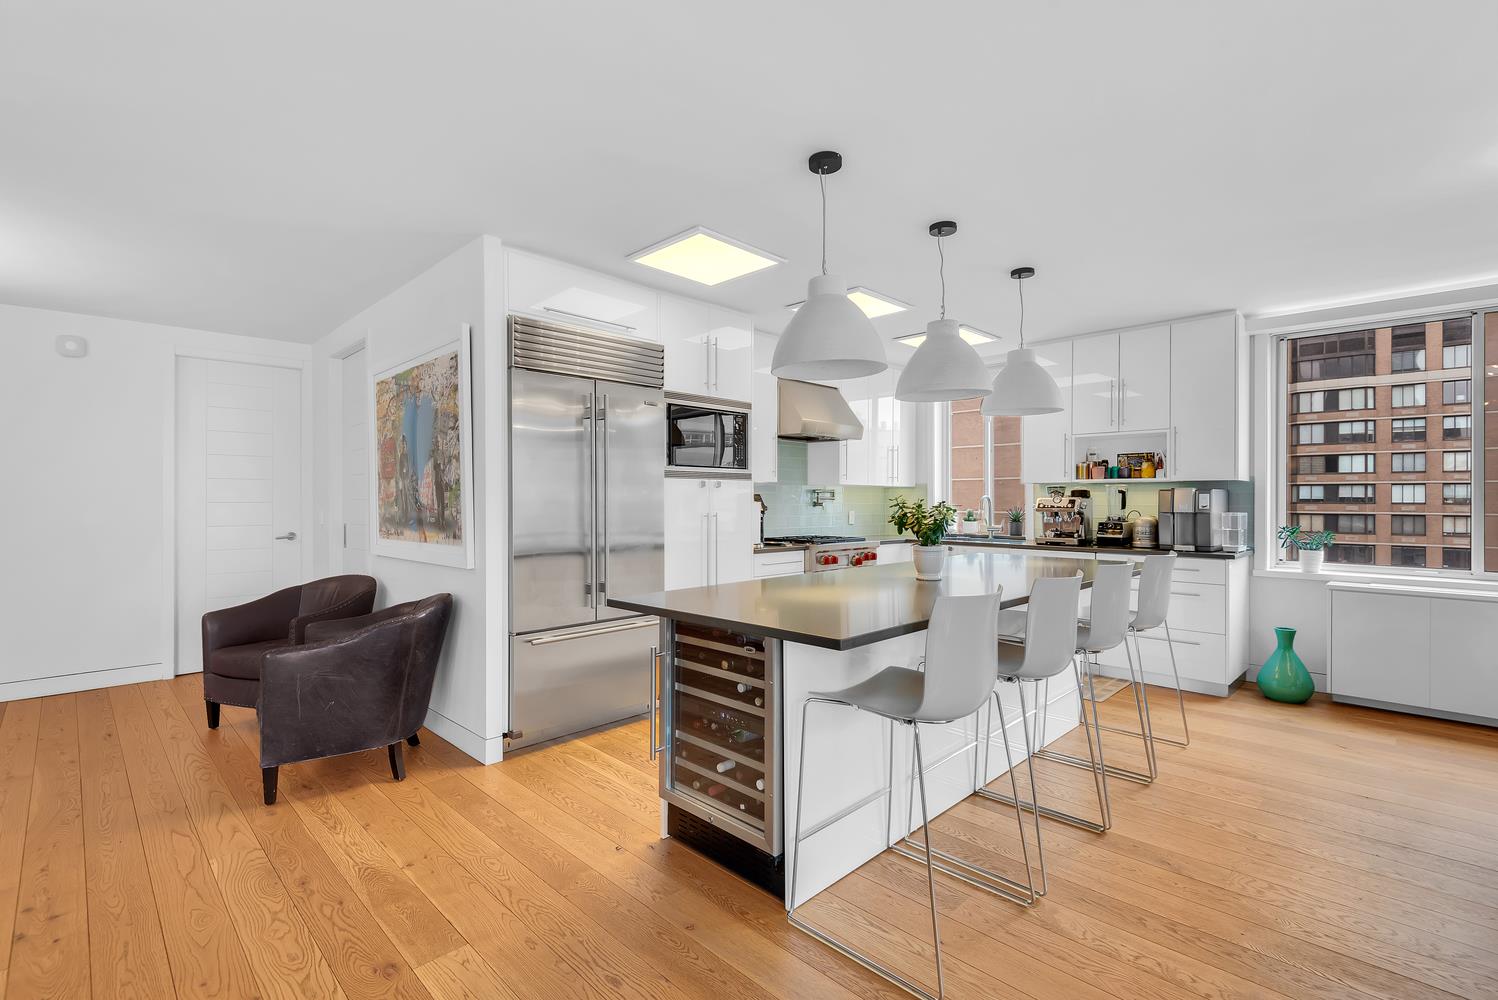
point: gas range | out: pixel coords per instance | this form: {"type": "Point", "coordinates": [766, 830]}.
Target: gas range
{"type": "Point", "coordinates": [828, 552]}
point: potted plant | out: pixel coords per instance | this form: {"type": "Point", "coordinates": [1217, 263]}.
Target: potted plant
{"type": "Point", "coordinates": [1016, 522]}
{"type": "Point", "coordinates": [929, 526]}
{"type": "Point", "coordinates": [969, 525]}
{"type": "Point", "coordinates": [1311, 545]}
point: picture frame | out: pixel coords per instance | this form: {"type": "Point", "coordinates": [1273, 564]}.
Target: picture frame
{"type": "Point", "coordinates": [417, 513]}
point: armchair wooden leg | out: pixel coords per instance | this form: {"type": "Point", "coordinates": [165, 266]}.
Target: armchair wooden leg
{"type": "Point", "coordinates": [397, 762]}
{"type": "Point", "coordinates": [268, 779]}
{"type": "Point", "coordinates": [414, 739]}
{"type": "Point", "coordinates": [212, 707]}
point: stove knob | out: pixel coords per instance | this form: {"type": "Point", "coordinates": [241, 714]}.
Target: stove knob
{"type": "Point", "coordinates": [871, 557]}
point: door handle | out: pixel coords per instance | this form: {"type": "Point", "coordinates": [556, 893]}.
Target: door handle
{"type": "Point", "coordinates": [547, 640]}
{"type": "Point", "coordinates": [290, 536]}
{"type": "Point", "coordinates": [603, 481]}
{"type": "Point", "coordinates": [589, 406]}
{"type": "Point", "coordinates": [655, 694]}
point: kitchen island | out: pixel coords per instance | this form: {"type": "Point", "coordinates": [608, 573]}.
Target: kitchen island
{"type": "Point", "coordinates": [736, 661]}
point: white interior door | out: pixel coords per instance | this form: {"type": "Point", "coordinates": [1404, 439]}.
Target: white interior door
{"type": "Point", "coordinates": [356, 406]}
{"type": "Point", "coordinates": [238, 490]}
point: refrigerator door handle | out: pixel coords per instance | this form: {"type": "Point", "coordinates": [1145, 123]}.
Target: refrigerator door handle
{"type": "Point", "coordinates": [602, 426]}
{"type": "Point", "coordinates": [589, 595]}
{"type": "Point", "coordinates": [547, 640]}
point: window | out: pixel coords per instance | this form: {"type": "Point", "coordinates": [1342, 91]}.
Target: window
{"type": "Point", "coordinates": [1350, 524]}
{"type": "Point", "coordinates": [1456, 343]}
{"type": "Point", "coordinates": [1351, 464]}
{"type": "Point", "coordinates": [1407, 395]}
{"type": "Point", "coordinates": [1310, 434]}
{"type": "Point", "coordinates": [1333, 399]}
{"type": "Point", "coordinates": [1407, 493]}
{"type": "Point", "coordinates": [1453, 558]}
{"type": "Point", "coordinates": [1408, 344]}
{"type": "Point", "coordinates": [1407, 524]}
{"type": "Point", "coordinates": [1340, 355]}
{"type": "Point", "coordinates": [1343, 432]}
{"type": "Point", "coordinates": [1456, 461]}
{"type": "Point", "coordinates": [1310, 494]}
{"type": "Point", "coordinates": [1359, 554]}
{"type": "Point", "coordinates": [1456, 525]}
{"type": "Point", "coordinates": [1355, 493]}
{"type": "Point", "coordinates": [1456, 428]}
{"type": "Point", "coordinates": [1407, 461]}
{"type": "Point", "coordinates": [1407, 429]}
{"type": "Point", "coordinates": [1407, 555]}
{"type": "Point", "coordinates": [1456, 391]}
{"type": "Point", "coordinates": [1456, 493]}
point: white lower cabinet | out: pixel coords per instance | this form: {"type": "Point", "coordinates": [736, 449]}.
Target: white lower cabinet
{"type": "Point", "coordinates": [781, 563]}
{"type": "Point", "coordinates": [712, 527]}
{"type": "Point", "coordinates": [897, 552]}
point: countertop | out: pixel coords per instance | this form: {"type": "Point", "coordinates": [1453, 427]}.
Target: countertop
{"type": "Point", "coordinates": [1024, 543]}
{"type": "Point", "coordinates": [871, 539]}
{"type": "Point", "coordinates": [853, 607]}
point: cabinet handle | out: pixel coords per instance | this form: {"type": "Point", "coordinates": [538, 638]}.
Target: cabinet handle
{"type": "Point", "coordinates": [1175, 446]}
{"type": "Point", "coordinates": [707, 363]}
{"type": "Point", "coordinates": [715, 547]}
{"type": "Point", "coordinates": [1123, 396]}
{"type": "Point", "coordinates": [1112, 400]}
{"type": "Point", "coordinates": [717, 364]}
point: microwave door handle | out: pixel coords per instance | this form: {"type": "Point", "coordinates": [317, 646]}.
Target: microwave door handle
{"type": "Point", "coordinates": [720, 436]}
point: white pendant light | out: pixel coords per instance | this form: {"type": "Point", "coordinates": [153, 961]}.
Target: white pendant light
{"type": "Point", "coordinates": [945, 367]}
{"type": "Point", "coordinates": [829, 338]}
{"type": "Point", "coordinates": [1022, 388]}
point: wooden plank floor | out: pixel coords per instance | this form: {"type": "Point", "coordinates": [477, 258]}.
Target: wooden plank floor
{"type": "Point", "coordinates": [1324, 851]}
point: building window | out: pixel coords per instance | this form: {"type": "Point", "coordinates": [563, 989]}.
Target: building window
{"type": "Point", "coordinates": [1456, 493]}
{"type": "Point", "coordinates": [1408, 344]}
{"type": "Point", "coordinates": [1310, 433]}
{"type": "Point", "coordinates": [1346, 465]}
{"type": "Point", "coordinates": [1407, 524]}
{"type": "Point", "coordinates": [1310, 494]}
{"type": "Point", "coordinates": [1407, 429]}
{"type": "Point", "coordinates": [1340, 355]}
{"type": "Point", "coordinates": [1407, 555]}
{"type": "Point", "coordinates": [1453, 558]}
{"type": "Point", "coordinates": [1456, 428]}
{"type": "Point", "coordinates": [1350, 524]}
{"type": "Point", "coordinates": [1401, 396]}
{"type": "Point", "coordinates": [1407, 461]}
{"type": "Point", "coordinates": [1407, 493]}
{"type": "Point", "coordinates": [1456, 525]}
{"type": "Point", "coordinates": [1456, 461]}
{"type": "Point", "coordinates": [1333, 399]}
{"type": "Point", "coordinates": [1358, 554]}
{"type": "Point", "coordinates": [1456, 343]}
{"type": "Point", "coordinates": [1456, 391]}
{"type": "Point", "coordinates": [1355, 493]}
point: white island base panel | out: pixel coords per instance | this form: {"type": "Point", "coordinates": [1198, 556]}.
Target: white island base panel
{"type": "Point", "coordinates": [848, 758]}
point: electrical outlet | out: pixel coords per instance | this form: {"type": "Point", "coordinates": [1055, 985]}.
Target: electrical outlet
{"type": "Point", "coordinates": [851, 517]}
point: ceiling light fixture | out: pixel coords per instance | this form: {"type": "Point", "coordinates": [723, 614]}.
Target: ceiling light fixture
{"type": "Point", "coordinates": [872, 303]}
{"type": "Point", "coordinates": [705, 257]}
{"type": "Point", "coordinates": [945, 367]}
{"type": "Point", "coordinates": [830, 337]}
{"type": "Point", "coordinates": [1023, 388]}
{"type": "Point", "coordinates": [970, 334]}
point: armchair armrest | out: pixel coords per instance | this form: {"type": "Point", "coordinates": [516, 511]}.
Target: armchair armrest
{"type": "Point", "coordinates": [320, 631]}
{"type": "Point", "coordinates": [257, 621]}
{"type": "Point", "coordinates": [353, 607]}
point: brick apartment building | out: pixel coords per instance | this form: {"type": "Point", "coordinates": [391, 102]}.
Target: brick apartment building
{"type": "Point", "coordinates": [1379, 443]}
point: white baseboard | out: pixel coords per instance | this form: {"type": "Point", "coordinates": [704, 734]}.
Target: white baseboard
{"type": "Point", "coordinates": [88, 680]}
{"type": "Point", "coordinates": [1167, 680]}
{"type": "Point", "coordinates": [484, 750]}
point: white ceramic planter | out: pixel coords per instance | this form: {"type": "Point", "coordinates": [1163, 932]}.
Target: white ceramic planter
{"type": "Point", "coordinates": [1311, 560]}
{"type": "Point", "coordinates": [930, 560]}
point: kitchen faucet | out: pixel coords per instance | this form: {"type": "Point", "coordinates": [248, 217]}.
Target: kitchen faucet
{"type": "Point", "coordinates": [985, 507]}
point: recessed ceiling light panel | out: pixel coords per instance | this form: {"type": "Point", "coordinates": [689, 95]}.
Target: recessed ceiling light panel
{"type": "Point", "coordinates": [873, 304]}
{"type": "Point", "coordinates": [969, 334]}
{"type": "Point", "coordinates": [705, 257]}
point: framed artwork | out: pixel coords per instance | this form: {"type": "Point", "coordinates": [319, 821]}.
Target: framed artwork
{"type": "Point", "coordinates": [422, 482]}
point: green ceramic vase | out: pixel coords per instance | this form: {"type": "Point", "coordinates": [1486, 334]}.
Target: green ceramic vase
{"type": "Point", "coordinates": [1283, 677]}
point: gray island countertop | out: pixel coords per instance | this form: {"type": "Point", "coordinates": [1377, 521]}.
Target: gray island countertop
{"type": "Point", "coordinates": [853, 607]}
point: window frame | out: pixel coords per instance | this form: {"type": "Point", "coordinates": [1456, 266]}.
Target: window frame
{"type": "Point", "coordinates": [1281, 411]}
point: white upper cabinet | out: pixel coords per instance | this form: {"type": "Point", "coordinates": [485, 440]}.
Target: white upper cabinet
{"type": "Point", "coordinates": [1207, 400]}
{"type": "Point", "coordinates": [764, 414]}
{"type": "Point", "coordinates": [709, 350]}
{"type": "Point", "coordinates": [553, 290]}
{"type": "Point", "coordinates": [1046, 454]}
{"type": "Point", "coordinates": [1144, 379]}
{"type": "Point", "coordinates": [1094, 389]}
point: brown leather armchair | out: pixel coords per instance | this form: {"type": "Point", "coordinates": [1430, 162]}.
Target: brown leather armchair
{"type": "Point", "coordinates": [356, 684]}
{"type": "Point", "coordinates": [235, 640]}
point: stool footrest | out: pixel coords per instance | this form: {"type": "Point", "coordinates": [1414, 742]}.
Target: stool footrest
{"type": "Point", "coordinates": [974, 875]}
{"type": "Point", "coordinates": [1047, 811]}
{"type": "Point", "coordinates": [860, 958]}
{"type": "Point", "coordinates": [1141, 777]}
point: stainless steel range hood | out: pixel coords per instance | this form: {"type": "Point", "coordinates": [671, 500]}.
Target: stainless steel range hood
{"type": "Point", "coordinates": [812, 412]}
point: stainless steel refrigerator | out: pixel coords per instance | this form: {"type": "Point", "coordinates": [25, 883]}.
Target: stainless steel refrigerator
{"type": "Point", "coordinates": [587, 519]}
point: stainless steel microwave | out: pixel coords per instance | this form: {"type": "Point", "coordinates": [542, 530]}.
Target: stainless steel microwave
{"type": "Point", "coordinates": [706, 438]}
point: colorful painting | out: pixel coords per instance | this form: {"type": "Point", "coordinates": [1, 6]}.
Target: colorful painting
{"type": "Point", "coordinates": [421, 459]}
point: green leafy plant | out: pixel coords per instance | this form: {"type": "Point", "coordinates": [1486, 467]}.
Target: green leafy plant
{"type": "Point", "coordinates": [1293, 536]}
{"type": "Point", "coordinates": [1016, 514]}
{"type": "Point", "coordinates": [928, 524]}
{"type": "Point", "coordinates": [970, 516]}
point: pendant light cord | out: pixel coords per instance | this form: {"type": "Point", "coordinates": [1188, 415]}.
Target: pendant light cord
{"type": "Point", "coordinates": [1022, 314]}
{"type": "Point", "coordinates": [942, 271]}
{"type": "Point", "coordinates": [823, 179]}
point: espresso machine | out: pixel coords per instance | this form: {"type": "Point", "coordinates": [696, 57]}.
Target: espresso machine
{"type": "Point", "coordinates": [1062, 519]}
{"type": "Point", "coordinates": [1191, 520]}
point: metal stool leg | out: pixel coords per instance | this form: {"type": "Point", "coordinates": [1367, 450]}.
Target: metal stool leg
{"type": "Point", "coordinates": [1180, 698]}
{"type": "Point", "coordinates": [1141, 701]}
{"type": "Point", "coordinates": [829, 941]}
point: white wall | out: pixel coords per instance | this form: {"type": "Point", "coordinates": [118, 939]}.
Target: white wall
{"type": "Point", "coordinates": [85, 496]}
{"type": "Point", "coordinates": [470, 698]}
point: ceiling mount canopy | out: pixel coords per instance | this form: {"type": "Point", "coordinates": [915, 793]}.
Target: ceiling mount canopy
{"type": "Point", "coordinates": [1022, 388]}
{"type": "Point", "coordinates": [945, 367]}
{"type": "Point", "coordinates": [829, 337]}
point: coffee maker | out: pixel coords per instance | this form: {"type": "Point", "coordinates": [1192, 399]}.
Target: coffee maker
{"type": "Point", "coordinates": [1062, 519]}
{"type": "Point", "coordinates": [1191, 520]}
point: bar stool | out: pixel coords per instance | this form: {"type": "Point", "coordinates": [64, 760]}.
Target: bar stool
{"type": "Point", "coordinates": [961, 668]}
{"type": "Point", "coordinates": [1049, 648]}
{"type": "Point", "coordinates": [1154, 607]}
{"type": "Point", "coordinates": [1107, 629]}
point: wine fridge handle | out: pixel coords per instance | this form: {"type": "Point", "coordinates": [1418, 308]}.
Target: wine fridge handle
{"type": "Point", "coordinates": [655, 694]}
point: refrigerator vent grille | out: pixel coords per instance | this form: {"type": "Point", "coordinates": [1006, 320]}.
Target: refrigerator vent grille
{"type": "Point", "coordinates": [569, 350]}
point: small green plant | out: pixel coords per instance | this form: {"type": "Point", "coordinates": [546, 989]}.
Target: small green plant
{"type": "Point", "coordinates": [928, 524]}
{"type": "Point", "coordinates": [1016, 514]}
{"type": "Point", "coordinates": [970, 516]}
{"type": "Point", "coordinates": [1294, 536]}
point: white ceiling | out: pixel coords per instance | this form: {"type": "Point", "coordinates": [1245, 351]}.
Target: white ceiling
{"type": "Point", "coordinates": [271, 168]}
